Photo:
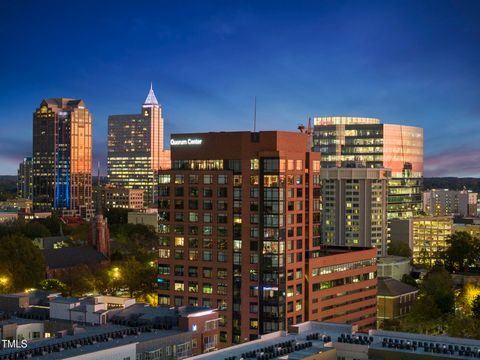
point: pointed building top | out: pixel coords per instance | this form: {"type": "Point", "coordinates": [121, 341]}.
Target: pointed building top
{"type": "Point", "coordinates": [151, 98]}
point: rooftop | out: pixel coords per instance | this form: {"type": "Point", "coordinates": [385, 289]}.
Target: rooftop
{"type": "Point", "coordinates": [387, 286]}
{"type": "Point", "coordinates": [72, 256]}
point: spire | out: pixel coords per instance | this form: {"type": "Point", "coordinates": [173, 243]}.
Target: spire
{"type": "Point", "coordinates": [151, 98]}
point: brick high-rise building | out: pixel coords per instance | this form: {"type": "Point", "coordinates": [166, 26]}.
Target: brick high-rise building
{"type": "Point", "coordinates": [136, 149]}
{"type": "Point", "coordinates": [240, 231]}
{"type": "Point", "coordinates": [62, 157]}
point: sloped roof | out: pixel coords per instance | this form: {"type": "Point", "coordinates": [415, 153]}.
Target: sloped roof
{"type": "Point", "coordinates": [390, 287]}
{"type": "Point", "coordinates": [72, 256]}
{"type": "Point", "coordinates": [151, 98]}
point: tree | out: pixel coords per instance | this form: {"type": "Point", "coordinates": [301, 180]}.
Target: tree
{"type": "Point", "coordinates": [117, 216]}
{"type": "Point", "coordinates": [408, 279]}
{"type": "Point", "coordinates": [438, 286]}
{"type": "Point", "coordinates": [139, 278]}
{"type": "Point", "coordinates": [399, 248]}
{"type": "Point", "coordinates": [52, 285]}
{"type": "Point", "coordinates": [463, 251]}
{"type": "Point", "coordinates": [22, 260]}
{"type": "Point", "coordinates": [476, 307]}
{"type": "Point", "coordinates": [77, 280]}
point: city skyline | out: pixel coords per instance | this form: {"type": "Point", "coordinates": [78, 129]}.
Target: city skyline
{"type": "Point", "coordinates": [395, 61]}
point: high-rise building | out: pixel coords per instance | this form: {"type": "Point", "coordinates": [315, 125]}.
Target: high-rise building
{"type": "Point", "coordinates": [136, 149]}
{"type": "Point", "coordinates": [240, 231]}
{"type": "Point", "coordinates": [62, 157]}
{"type": "Point", "coordinates": [355, 207]}
{"type": "Point", "coordinates": [426, 236]}
{"type": "Point", "coordinates": [24, 179]}
{"type": "Point", "coordinates": [440, 202]}
{"type": "Point", "coordinates": [399, 148]}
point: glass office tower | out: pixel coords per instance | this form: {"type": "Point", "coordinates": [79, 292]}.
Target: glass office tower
{"type": "Point", "coordinates": [62, 157]}
{"type": "Point", "coordinates": [343, 140]}
{"type": "Point", "coordinates": [136, 150]}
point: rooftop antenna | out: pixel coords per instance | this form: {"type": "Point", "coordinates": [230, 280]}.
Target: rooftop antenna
{"type": "Point", "coordinates": [99, 195]}
{"type": "Point", "coordinates": [255, 114]}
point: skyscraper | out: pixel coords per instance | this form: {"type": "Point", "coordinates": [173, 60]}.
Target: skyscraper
{"type": "Point", "coordinates": [399, 148]}
{"type": "Point", "coordinates": [355, 207]}
{"type": "Point", "coordinates": [240, 231]}
{"type": "Point", "coordinates": [62, 157]}
{"type": "Point", "coordinates": [24, 179]}
{"type": "Point", "coordinates": [136, 148]}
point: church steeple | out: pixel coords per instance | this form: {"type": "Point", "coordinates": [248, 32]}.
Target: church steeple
{"type": "Point", "coordinates": [151, 98]}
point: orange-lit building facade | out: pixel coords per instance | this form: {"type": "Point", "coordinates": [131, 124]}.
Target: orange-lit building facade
{"type": "Point", "coordinates": [62, 157]}
{"type": "Point", "coordinates": [136, 149]}
{"type": "Point", "coordinates": [399, 148]}
{"type": "Point", "coordinates": [239, 217]}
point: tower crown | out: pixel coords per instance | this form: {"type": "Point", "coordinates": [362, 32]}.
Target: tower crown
{"type": "Point", "coordinates": [151, 98]}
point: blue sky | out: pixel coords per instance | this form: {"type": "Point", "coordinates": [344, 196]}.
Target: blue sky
{"type": "Point", "coordinates": [408, 62]}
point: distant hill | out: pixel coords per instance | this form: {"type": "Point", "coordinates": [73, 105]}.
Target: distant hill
{"type": "Point", "coordinates": [452, 183]}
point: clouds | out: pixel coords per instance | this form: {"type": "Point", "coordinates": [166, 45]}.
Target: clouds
{"type": "Point", "coordinates": [459, 162]}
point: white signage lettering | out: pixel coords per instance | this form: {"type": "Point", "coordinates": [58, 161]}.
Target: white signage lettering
{"type": "Point", "coordinates": [176, 142]}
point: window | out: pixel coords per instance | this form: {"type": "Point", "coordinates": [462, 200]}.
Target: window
{"type": "Point", "coordinates": [164, 179]}
{"type": "Point", "coordinates": [193, 271]}
{"type": "Point", "coordinates": [222, 256]}
{"type": "Point", "coordinates": [193, 243]}
{"type": "Point", "coordinates": [207, 192]}
{"type": "Point", "coordinates": [222, 273]}
{"type": "Point", "coordinates": [193, 287]}
{"type": "Point", "coordinates": [179, 216]}
{"type": "Point", "coordinates": [253, 324]}
{"type": "Point", "coordinates": [193, 179]}
{"type": "Point", "coordinates": [222, 192]}
{"type": "Point", "coordinates": [207, 230]}
{"type": "Point", "coordinates": [254, 164]}
{"type": "Point", "coordinates": [207, 273]}
{"type": "Point", "coordinates": [193, 204]}
{"type": "Point", "coordinates": [207, 255]}
{"type": "Point", "coordinates": [179, 240]}
{"type": "Point", "coordinates": [179, 286]}
{"type": "Point", "coordinates": [178, 270]}
{"type": "Point", "coordinates": [222, 179]}
{"type": "Point", "coordinates": [254, 308]}
{"type": "Point", "coordinates": [179, 179]}
{"type": "Point", "coordinates": [179, 254]}
{"type": "Point", "coordinates": [179, 191]}
{"type": "Point", "coordinates": [193, 216]}
{"type": "Point", "coordinates": [208, 179]}
{"type": "Point", "coordinates": [207, 217]}
{"type": "Point", "coordinates": [164, 253]}
{"type": "Point", "coordinates": [207, 205]}
{"type": "Point", "coordinates": [207, 288]}
{"type": "Point", "coordinates": [222, 205]}
{"type": "Point", "coordinates": [163, 269]}
{"type": "Point", "coordinates": [207, 243]}
{"type": "Point", "coordinates": [222, 289]}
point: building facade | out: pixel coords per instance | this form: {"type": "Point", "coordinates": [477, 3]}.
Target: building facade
{"type": "Point", "coordinates": [399, 148]}
{"type": "Point", "coordinates": [427, 236]}
{"type": "Point", "coordinates": [395, 299]}
{"type": "Point", "coordinates": [441, 202]}
{"type": "Point", "coordinates": [25, 179]}
{"type": "Point", "coordinates": [355, 207]}
{"type": "Point", "coordinates": [239, 213]}
{"type": "Point", "coordinates": [62, 157]}
{"type": "Point", "coordinates": [113, 197]}
{"type": "Point", "coordinates": [136, 149]}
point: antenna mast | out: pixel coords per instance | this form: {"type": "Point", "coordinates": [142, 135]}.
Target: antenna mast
{"type": "Point", "coordinates": [255, 114]}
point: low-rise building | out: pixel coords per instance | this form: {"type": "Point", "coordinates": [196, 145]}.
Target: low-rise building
{"type": "Point", "coordinates": [426, 236]}
{"type": "Point", "coordinates": [394, 299]}
{"type": "Point", "coordinates": [393, 266]}
{"type": "Point", "coordinates": [144, 218]}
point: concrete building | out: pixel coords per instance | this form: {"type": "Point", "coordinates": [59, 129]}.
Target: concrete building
{"type": "Point", "coordinates": [25, 179]}
{"type": "Point", "coordinates": [237, 222]}
{"type": "Point", "coordinates": [144, 218]}
{"type": "Point", "coordinates": [426, 235]}
{"type": "Point", "coordinates": [355, 207]}
{"type": "Point", "coordinates": [136, 149]}
{"type": "Point", "coordinates": [113, 197]}
{"type": "Point", "coordinates": [393, 266]}
{"type": "Point", "coordinates": [394, 299]}
{"type": "Point", "coordinates": [441, 202]}
{"type": "Point", "coordinates": [90, 310]}
{"type": "Point", "coordinates": [342, 140]}
{"type": "Point", "coordinates": [62, 157]}
{"type": "Point", "coordinates": [321, 341]}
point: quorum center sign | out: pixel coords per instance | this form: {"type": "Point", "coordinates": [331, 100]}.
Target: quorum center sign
{"type": "Point", "coordinates": [185, 142]}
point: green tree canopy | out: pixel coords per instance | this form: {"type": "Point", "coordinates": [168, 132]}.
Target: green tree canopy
{"type": "Point", "coordinates": [399, 248]}
{"type": "Point", "coordinates": [463, 251]}
{"type": "Point", "coordinates": [22, 260]}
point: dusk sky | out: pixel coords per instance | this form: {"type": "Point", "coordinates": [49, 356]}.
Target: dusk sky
{"type": "Point", "coordinates": [406, 62]}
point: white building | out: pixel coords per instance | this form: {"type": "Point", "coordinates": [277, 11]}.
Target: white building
{"type": "Point", "coordinates": [440, 202]}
